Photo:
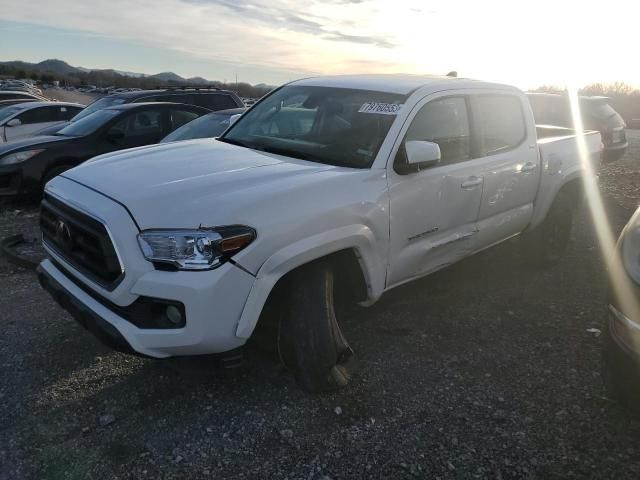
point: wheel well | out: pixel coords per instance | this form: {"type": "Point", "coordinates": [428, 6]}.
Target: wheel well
{"type": "Point", "coordinates": [348, 274]}
{"type": "Point", "coordinates": [573, 191]}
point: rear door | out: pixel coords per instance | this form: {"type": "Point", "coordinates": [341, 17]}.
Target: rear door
{"type": "Point", "coordinates": [508, 163]}
{"type": "Point", "coordinates": [137, 128]}
{"type": "Point", "coordinates": [434, 210]}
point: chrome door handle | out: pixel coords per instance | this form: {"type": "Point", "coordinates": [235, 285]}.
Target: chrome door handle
{"type": "Point", "coordinates": [528, 167]}
{"type": "Point", "coordinates": [471, 182]}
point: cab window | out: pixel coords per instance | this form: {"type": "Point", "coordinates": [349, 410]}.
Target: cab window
{"type": "Point", "coordinates": [145, 122]}
{"type": "Point", "coordinates": [444, 121]}
{"type": "Point", "coordinates": [499, 121]}
{"type": "Point", "coordinates": [180, 117]}
{"type": "Point", "coordinates": [39, 115]}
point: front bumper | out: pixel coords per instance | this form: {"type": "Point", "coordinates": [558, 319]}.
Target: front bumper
{"type": "Point", "coordinates": [624, 335]}
{"type": "Point", "coordinates": [213, 307]}
{"type": "Point", "coordinates": [614, 152]}
{"type": "Point", "coordinates": [88, 318]}
{"type": "Point", "coordinates": [213, 300]}
{"type": "Point", "coordinates": [10, 182]}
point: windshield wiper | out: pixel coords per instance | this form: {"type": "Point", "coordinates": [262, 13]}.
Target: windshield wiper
{"type": "Point", "coordinates": [289, 153]}
{"type": "Point", "coordinates": [234, 142]}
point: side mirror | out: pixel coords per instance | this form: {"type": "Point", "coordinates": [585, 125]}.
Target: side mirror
{"type": "Point", "coordinates": [424, 154]}
{"type": "Point", "coordinates": [115, 135]}
{"type": "Point", "coordinates": [233, 118]}
{"type": "Point", "coordinates": [14, 122]}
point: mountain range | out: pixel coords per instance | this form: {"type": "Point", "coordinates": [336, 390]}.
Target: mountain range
{"type": "Point", "coordinates": [61, 67]}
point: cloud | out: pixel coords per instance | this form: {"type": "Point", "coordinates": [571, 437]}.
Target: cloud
{"type": "Point", "coordinates": [278, 34]}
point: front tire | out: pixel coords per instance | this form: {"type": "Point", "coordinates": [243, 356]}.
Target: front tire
{"type": "Point", "coordinates": [310, 341]}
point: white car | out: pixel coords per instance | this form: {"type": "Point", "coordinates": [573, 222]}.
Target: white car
{"type": "Point", "coordinates": [621, 353]}
{"type": "Point", "coordinates": [330, 189]}
{"type": "Point", "coordinates": [23, 119]}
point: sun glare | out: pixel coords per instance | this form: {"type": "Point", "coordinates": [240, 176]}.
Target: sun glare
{"type": "Point", "coordinates": [619, 280]}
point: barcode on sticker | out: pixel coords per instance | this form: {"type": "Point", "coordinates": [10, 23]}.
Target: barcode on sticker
{"type": "Point", "coordinates": [380, 108]}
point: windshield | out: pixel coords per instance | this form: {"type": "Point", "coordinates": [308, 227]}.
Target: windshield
{"type": "Point", "coordinates": [98, 105]}
{"type": "Point", "coordinates": [6, 112]}
{"type": "Point", "coordinates": [89, 124]}
{"type": "Point", "coordinates": [334, 126]}
{"type": "Point", "coordinates": [210, 125]}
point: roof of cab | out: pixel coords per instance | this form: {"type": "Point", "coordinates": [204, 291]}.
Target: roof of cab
{"type": "Point", "coordinates": [402, 84]}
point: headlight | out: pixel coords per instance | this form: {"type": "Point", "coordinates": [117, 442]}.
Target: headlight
{"type": "Point", "coordinates": [201, 249]}
{"type": "Point", "coordinates": [19, 157]}
{"type": "Point", "coordinates": [631, 247]}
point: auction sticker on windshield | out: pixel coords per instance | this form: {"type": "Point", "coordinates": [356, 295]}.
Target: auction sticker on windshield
{"type": "Point", "coordinates": [380, 108]}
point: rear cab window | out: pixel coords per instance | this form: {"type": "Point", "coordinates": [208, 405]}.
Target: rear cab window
{"type": "Point", "coordinates": [499, 123]}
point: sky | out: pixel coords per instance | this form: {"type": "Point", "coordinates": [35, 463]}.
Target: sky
{"type": "Point", "coordinates": [525, 43]}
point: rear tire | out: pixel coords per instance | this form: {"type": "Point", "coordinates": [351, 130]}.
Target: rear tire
{"type": "Point", "coordinates": [548, 242]}
{"type": "Point", "coordinates": [310, 341]}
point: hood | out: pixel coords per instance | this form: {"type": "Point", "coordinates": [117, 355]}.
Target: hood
{"type": "Point", "coordinates": [51, 129]}
{"type": "Point", "coordinates": [29, 143]}
{"type": "Point", "coordinates": [175, 182]}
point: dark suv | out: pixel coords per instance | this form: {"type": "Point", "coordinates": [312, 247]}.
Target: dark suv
{"type": "Point", "coordinates": [597, 114]}
{"type": "Point", "coordinates": [207, 97]}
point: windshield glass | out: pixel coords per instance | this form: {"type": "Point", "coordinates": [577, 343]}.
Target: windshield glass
{"type": "Point", "coordinates": [98, 105]}
{"type": "Point", "coordinates": [334, 126]}
{"type": "Point", "coordinates": [89, 124]}
{"type": "Point", "coordinates": [6, 112]}
{"type": "Point", "coordinates": [210, 125]}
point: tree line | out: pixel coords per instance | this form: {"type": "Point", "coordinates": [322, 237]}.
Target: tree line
{"type": "Point", "coordinates": [110, 78]}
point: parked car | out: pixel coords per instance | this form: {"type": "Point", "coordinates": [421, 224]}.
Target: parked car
{"type": "Point", "coordinates": [22, 119]}
{"type": "Point", "coordinates": [329, 189]}
{"type": "Point", "coordinates": [26, 165]}
{"type": "Point", "coordinates": [17, 95]}
{"type": "Point", "coordinates": [207, 126]}
{"type": "Point", "coordinates": [621, 344]}
{"type": "Point", "coordinates": [210, 98]}
{"type": "Point", "coordinates": [15, 101]}
{"type": "Point", "coordinates": [597, 114]}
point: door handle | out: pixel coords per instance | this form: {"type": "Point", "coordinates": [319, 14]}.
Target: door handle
{"type": "Point", "coordinates": [471, 182]}
{"type": "Point", "coordinates": [528, 167]}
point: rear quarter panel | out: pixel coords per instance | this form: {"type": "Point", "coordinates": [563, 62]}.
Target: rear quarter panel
{"type": "Point", "coordinates": [561, 164]}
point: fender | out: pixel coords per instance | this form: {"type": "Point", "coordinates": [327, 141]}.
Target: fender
{"type": "Point", "coordinates": [552, 181]}
{"type": "Point", "coordinates": [357, 237]}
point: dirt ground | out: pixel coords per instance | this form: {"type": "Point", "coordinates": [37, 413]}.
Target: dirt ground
{"type": "Point", "coordinates": [489, 369]}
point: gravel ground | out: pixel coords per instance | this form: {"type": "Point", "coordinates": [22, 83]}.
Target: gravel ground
{"type": "Point", "coordinates": [484, 370]}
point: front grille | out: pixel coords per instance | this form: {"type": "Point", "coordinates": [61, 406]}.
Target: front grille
{"type": "Point", "coordinates": [81, 240]}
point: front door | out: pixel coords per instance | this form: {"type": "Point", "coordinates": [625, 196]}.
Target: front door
{"type": "Point", "coordinates": [434, 210]}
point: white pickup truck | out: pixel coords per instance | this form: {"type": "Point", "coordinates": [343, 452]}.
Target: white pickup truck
{"type": "Point", "coordinates": [328, 188]}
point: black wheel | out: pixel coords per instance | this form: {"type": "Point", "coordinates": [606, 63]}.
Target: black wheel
{"type": "Point", "coordinates": [548, 242]}
{"type": "Point", "coordinates": [54, 172]}
{"type": "Point", "coordinates": [621, 375]}
{"type": "Point", "coordinates": [310, 341]}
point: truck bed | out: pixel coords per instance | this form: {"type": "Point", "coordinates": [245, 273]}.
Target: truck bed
{"type": "Point", "coordinates": [547, 133]}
